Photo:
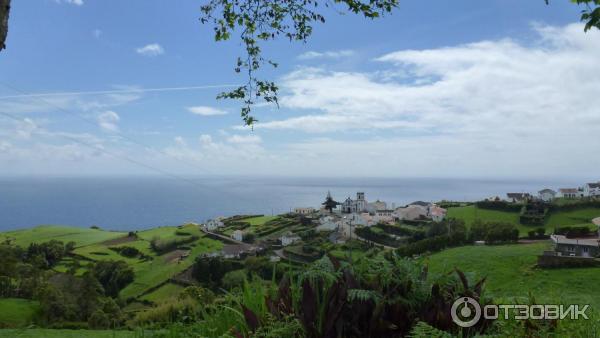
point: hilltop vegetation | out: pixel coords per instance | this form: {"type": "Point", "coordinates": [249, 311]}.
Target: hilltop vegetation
{"type": "Point", "coordinates": [578, 217]}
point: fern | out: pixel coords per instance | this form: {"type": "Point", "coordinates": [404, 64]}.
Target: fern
{"type": "Point", "coordinates": [363, 295]}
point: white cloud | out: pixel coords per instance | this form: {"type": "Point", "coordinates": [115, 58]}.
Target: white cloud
{"type": "Point", "coordinates": [153, 49]}
{"type": "Point", "coordinates": [206, 111]}
{"type": "Point", "coordinates": [244, 139]}
{"type": "Point", "coordinates": [108, 121]}
{"type": "Point", "coordinates": [337, 54]}
{"type": "Point", "coordinates": [180, 141]}
{"type": "Point", "coordinates": [514, 87]}
{"type": "Point", "coordinates": [70, 2]}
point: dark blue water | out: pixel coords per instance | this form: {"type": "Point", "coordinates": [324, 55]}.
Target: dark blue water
{"type": "Point", "coordinates": [138, 203]}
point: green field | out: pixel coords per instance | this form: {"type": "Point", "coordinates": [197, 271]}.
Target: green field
{"type": "Point", "coordinates": [17, 312]}
{"type": "Point", "coordinates": [511, 272]}
{"type": "Point", "coordinates": [259, 220]}
{"type": "Point", "coordinates": [95, 245]}
{"type": "Point", "coordinates": [44, 233]}
{"type": "Point", "coordinates": [562, 218]}
{"type": "Point", "coordinates": [166, 291]}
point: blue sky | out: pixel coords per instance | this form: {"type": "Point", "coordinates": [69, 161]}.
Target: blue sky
{"type": "Point", "coordinates": [444, 88]}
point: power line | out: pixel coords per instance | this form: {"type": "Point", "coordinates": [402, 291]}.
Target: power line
{"type": "Point", "coordinates": [95, 124]}
{"type": "Point", "coordinates": [103, 150]}
{"type": "Point", "coordinates": [118, 91]}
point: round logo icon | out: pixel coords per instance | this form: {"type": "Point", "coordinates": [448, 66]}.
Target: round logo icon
{"type": "Point", "coordinates": [465, 312]}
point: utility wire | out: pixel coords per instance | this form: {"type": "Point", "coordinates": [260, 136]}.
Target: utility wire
{"type": "Point", "coordinates": [95, 125]}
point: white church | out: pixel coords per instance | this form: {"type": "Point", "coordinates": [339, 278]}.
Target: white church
{"type": "Point", "coordinates": [358, 205]}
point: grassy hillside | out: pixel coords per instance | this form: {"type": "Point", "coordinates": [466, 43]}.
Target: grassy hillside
{"type": "Point", "coordinates": [81, 236]}
{"type": "Point", "coordinates": [94, 245]}
{"type": "Point", "coordinates": [511, 272]}
{"type": "Point", "coordinates": [260, 220]}
{"type": "Point", "coordinates": [17, 312]}
{"type": "Point", "coordinates": [562, 218]}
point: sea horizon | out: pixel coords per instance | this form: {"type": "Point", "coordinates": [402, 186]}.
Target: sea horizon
{"type": "Point", "coordinates": [132, 202]}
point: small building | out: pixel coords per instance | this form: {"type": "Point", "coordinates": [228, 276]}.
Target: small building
{"type": "Point", "coordinates": [564, 246]}
{"type": "Point", "coordinates": [384, 216]}
{"type": "Point", "coordinates": [546, 195]}
{"type": "Point", "coordinates": [437, 214]}
{"type": "Point", "coordinates": [238, 235]}
{"type": "Point", "coordinates": [517, 197]}
{"type": "Point", "coordinates": [289, 238]}
{"type": "Point", "coordinates": [304, 211]}
{"type": "Point", "coordinates": [412, 212]}
{"type": "Point", "coordinates": [327, 223]}
{"type": "Point", "coordinates": [591, 189]}
{"type": "Point", "coordinates": [377, 205]}
{"type": "Point", "coordinates": [568, 193]}
{"type": "Point", "coordinates": [214, 224]}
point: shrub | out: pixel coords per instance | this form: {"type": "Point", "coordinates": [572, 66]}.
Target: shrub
{"type": "Point", "coordinates": [233, 279]}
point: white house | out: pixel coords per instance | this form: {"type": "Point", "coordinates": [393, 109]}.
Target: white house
{"type": "Point", "coordinates": [238, 235]}
{"type": "Point", "coordinates": [327, 223]}
{"type": "Point", "coordinates": [546, 195]}
{"type": "Point", "coordinates": [304, 211]}
{"type": "Point", "coordinates": [411, 212]}
{"type": "Point", "coordinates": [289, 238]}
{"type": "Point", "coordinates": [591, 189]}
{"type": "Point", "coordinates": [384, 216]}
{"type": "Point", "coordinates": [436, 213]}
{"type": "Point", "coordinates": [377, 205]}
{"type": "Point", "coordinates": [214, 224]}
{"type": "Point", "coordinates": [568, 193]}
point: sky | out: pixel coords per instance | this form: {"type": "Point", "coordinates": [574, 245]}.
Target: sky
{"type": "Point", "coordinates": [464, 88]}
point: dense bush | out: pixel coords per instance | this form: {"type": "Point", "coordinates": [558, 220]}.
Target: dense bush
{"type": "Point", "coordinates": [380, 237]}
{"type": "Point", "coordinates": [126, 251]}
{"type": "Point", "coordinates": [494, 232]}
{"type": "Point", "coordinates": [113, 275]}
{"type": "Point", "coordinates": [210, 270]}
{"type": "Point", "coordinates": [162, 246]}
{"type": "Point", "coordinates": [233, 279]}
{"type": "Point", "coordinates": [570, 232]}
{"type": "Point", "coordinates": [499, 205]}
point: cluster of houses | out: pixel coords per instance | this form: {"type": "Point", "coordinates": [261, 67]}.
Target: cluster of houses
{"type": "Point", "coordinates": [342, 218]}
{"type": "Point", "coordinates": [547, 195]}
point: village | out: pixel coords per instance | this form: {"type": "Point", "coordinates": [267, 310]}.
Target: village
{"type": "Point", "coordinates": [300, 233]}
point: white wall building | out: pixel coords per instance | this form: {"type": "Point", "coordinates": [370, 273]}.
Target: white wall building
{"type": "Point", "coordinates": [238, 235]}
{"type": "Point", "coordinates": [591, 189]}
{"type": "Point", "coordinates": [546, 195]}
{"type": "Point", "coordinates": [568, 193]}
{"type": "Point", "coordinates": [436, 213]}
{"type": "Point", "coordinates": [327, 223]}
{"type": "Point", "coordinates": [289, 238]}
{"type": "Point", "coordinates": [214, 224]}
{"type": "Point", "coordinates": [412, 212]}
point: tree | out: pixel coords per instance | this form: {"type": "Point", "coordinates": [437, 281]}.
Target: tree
{"type": "Point", "coordinates": [4, 11]}
{"type": "Point", "coordinates": [260, 21]}
{"type": "Point", "coordinates": [113, 275]}
{"type": "Point", "coordinates": [257, 21]}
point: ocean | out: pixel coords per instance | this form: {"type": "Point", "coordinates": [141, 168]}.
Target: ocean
{"type": "Point", "coordinates": [134, 203]}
